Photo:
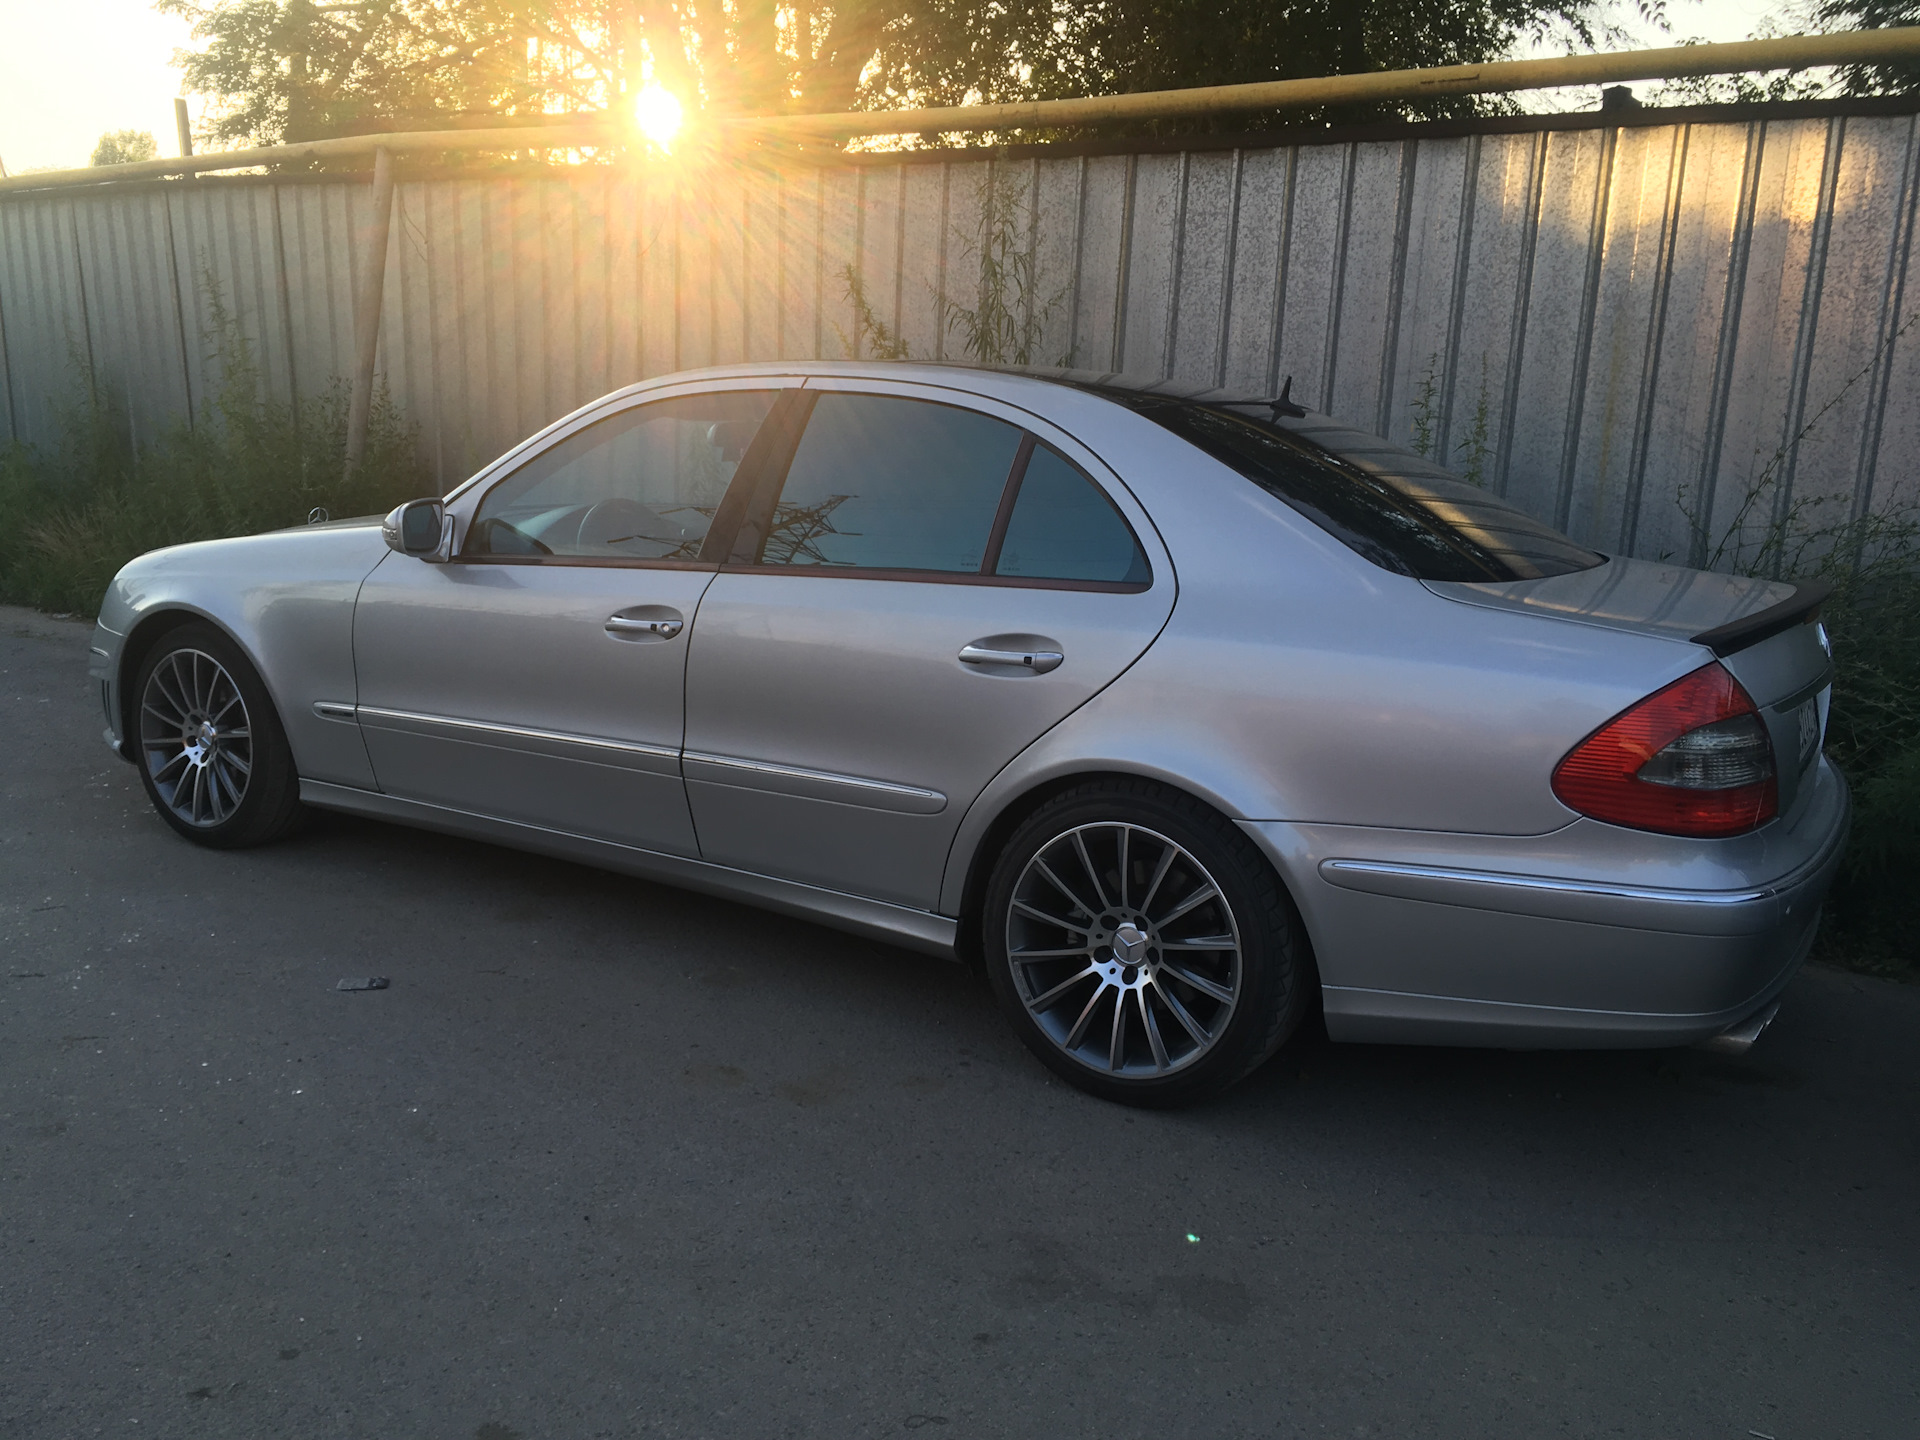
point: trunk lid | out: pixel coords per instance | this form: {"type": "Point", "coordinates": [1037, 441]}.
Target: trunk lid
{"type": "Point", "coordinates": [1647, 597]}
{"type": "Point", "coordinates": [1763, 631]}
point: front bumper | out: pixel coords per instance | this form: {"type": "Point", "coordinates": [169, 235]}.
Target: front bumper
{"type": "Point", "coordinates": [103, 668]}
{"type": "Point", "coordinates": [1590, 937]}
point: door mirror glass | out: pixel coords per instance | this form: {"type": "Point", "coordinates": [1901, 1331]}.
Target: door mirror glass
{"type": "Point", "coordinates": [415, 527]}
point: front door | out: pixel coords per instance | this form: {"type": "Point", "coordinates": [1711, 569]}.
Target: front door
{"type": "Point", "coordinates": [539, 676]}
{"type": "Point", "coordinates": [934, 589]}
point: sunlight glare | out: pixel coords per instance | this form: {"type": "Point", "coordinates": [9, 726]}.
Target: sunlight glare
{"type": "Point", "coordinates": [657, 112]}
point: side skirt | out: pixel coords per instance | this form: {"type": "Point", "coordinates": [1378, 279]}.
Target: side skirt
{"type": "Point", "coordinates": [896, 924]}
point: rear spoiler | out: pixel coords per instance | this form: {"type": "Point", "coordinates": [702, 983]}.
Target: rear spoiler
{"type": "Point", "coordinates": [1800, 608]}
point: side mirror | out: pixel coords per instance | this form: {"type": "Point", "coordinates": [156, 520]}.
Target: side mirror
{"type": "Point", "coordinates": [417, 528]}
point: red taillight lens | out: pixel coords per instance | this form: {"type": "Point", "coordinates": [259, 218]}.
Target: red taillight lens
{"type": "Point", "coordinates": [1692, 759]}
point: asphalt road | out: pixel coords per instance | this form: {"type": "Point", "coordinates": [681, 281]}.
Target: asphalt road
{"type": "Point", "coordinates": [613, 1160]}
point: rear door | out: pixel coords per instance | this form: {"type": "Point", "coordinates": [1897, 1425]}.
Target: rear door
{"type": "Point", "coordinates": [929, 585]}
{"type": "Point", "coordinates": [538, 677]}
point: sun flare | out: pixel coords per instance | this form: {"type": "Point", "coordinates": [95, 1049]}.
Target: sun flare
{"type": "Point", "coordinates": [656, 111]}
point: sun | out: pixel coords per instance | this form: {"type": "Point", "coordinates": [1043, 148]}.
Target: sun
{"type": "Point", "coordinates": [657, 112]}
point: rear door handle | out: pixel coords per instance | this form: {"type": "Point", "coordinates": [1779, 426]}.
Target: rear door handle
{"type": "Point", "coordinates": [1038, 661]}
{"type": "Point", "coordinates": [661, 624]}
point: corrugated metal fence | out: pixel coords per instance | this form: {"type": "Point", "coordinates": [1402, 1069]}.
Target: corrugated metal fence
{"type": "Point", "coordinates": [1612, 325]}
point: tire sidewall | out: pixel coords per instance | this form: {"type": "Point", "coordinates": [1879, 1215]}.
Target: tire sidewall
{"type": "Point", "coordinates": [1274, 978]}
{"type": "Point", "coordinates": [262, 810]}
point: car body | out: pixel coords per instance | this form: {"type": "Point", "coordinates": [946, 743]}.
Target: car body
{"type": "Point", "coordinates": [808, 736]}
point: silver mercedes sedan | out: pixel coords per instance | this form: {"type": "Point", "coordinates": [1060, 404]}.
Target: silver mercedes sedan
{"type": "Point", "coordinates": [1180, 713]}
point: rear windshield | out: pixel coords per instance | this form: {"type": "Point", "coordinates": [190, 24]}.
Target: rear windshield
{"type": "Point", "coordinates": [1399, 511]}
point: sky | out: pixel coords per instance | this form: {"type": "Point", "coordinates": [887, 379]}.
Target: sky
{"type": "Point", "coordinates": [73, 69]}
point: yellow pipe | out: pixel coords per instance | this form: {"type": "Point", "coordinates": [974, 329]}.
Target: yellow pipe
{"type": "Point", "coordinates": [1790, 52]}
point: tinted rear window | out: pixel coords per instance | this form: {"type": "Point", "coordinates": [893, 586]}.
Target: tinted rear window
{"type": "Point", "coordinates": [1398, 510]}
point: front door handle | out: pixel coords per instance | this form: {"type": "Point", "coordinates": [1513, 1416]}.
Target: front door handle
{"type": "Point", "coordinates": [660, 624]}
{"type": "Point", "coordinates": [1038, 661]}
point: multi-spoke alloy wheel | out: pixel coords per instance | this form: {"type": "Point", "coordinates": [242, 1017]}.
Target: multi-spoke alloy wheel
{"type": "Point", "coordinates": [212, 755]}
{"type": "Point", "coordinates": [1141, 944]}
{"type": "Point", "coordinates": [1124, 951]}
{"type": "Point", "coordinates": [195, 737]}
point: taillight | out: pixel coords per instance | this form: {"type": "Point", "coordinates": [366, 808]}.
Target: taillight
{"type": "Point", "coordinates": [1692, 759]}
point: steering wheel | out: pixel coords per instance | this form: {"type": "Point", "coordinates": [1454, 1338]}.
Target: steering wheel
{"type": "Point", "coordinates": [617, 520]}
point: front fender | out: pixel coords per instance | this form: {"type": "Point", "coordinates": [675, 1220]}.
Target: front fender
{"type": "Point", "coordinates": [286, 599]}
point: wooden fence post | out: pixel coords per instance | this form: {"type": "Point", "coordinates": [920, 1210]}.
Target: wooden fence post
{"type": "Point", "coordinates": [366, 312]}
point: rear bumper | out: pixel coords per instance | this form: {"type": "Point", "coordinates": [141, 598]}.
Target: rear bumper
{"type": "Point", "coordinates": [1590, 937]}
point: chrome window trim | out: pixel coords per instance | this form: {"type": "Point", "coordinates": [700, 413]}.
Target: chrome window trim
{"type": "Point", "coordinates": [606, 406]}
{"type": "Point", "coordinates": [946, 577]}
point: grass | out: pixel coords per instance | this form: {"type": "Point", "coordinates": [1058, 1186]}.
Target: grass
{"type": "Point", "coordinates": [73, 513]}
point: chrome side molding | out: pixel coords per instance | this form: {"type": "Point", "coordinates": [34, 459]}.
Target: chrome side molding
{"type": "Point", "coordinates": [812, 784]}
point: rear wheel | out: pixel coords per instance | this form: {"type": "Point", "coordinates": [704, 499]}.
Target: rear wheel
{"type": "Point", "coordinates": [212, 755]}
{"type": "Point", "coordinates": [1141, 945]}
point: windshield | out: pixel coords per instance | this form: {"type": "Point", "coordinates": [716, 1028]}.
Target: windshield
{"type": "Point", "coordinates": [1402, 512]}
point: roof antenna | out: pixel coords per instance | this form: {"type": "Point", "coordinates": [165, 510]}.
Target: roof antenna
{"type": "Point", "coordinates": [1285, 404]}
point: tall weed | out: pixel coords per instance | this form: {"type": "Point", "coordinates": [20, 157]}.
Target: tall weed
{"type": "Point", "coordinates": [73, 513]}
{"type": "Point", "coordinates": [1873, 728]}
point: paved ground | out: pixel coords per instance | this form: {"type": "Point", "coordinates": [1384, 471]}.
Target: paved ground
{"type": "Point", "coordinates": [609, 1159]}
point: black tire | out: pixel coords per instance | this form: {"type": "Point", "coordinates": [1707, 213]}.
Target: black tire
{"type": "Point", "coordinates": [220, 781]}
{"type": "Point", "coordinates": [1155, 1012]}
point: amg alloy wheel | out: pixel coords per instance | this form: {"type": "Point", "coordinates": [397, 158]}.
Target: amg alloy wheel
{"type": "Point", "coordinates": [1123, 950]}
{"type": "Point", "coordinates": [212, 756]}
{"type": "Point", "coordinates": [195, 738]}
{"type": "Point", "coordinates": [1143, 948]}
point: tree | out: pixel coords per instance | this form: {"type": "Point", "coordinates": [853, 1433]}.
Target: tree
{"type": "Point", "coordinates": [119, 147]}
{"type": "Point", "coordinates": [297, 69]}
{"type": "Point", "coordinates": [1872, 15]}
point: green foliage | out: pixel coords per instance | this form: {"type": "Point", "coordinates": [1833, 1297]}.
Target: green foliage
{"type": "Point", "coordinates": [1873, 727]}
{"type": "Point", "coordinates": [295, 69]}
{"type": "Point", "coordinates": [72, 515]}
{"type": "Point", "coordinates": [1426, 409]}
{"type": "Point", "coordinates": [298, 69]}
{"type": "Point", "coordinates": [121, 147]}
{"type": "Point", "coordinates": [947, 52]}
{"type": "Point", "coordinates": [1003, 326]}
{"type": "Point", "coordinates": [1470, 456]}
{"type": "Point", "coordinates": [1872, 15]}
{"type": "Point", "coordinates": [1475, 451]}
{"type": "Point", "coordinates": [872, 336]}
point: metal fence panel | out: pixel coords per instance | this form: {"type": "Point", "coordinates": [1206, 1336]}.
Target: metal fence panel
{"type": "Point", "coordinates": [1654, 336]}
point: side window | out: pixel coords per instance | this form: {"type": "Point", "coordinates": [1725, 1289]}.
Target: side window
{"type": "Point", "coordinates": [884, 483]}
{"type": "Point", "coordinates": [639, 485]}
{"type": "Point", "coordinates": [1064, 528]}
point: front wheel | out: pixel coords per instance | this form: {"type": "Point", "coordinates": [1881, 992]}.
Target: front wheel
{"type": "Point", "coordinates": [212, 755]}
{"type": "Point", "coordinates": [1142, 946]}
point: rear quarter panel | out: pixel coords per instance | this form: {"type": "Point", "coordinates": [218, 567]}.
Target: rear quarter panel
{"type": "Point", "coordinates": [1295, 681]}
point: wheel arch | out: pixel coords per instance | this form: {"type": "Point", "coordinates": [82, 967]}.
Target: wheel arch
{"type": "Point", "coordinates": [976, 866]}
{"type": "Point", "coordinates": [152, 627]}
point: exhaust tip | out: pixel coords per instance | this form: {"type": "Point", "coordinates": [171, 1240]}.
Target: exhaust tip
{"type": "Point", "coordinates": [1738, 1038]}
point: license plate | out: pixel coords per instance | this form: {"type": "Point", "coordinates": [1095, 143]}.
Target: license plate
{"type": "Point", "coordinates": [1808, 714]}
